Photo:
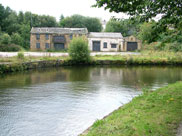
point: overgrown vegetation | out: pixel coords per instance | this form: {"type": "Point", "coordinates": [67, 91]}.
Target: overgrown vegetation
{"type": "Point", "coordinates": [146, 58]}
{"type": "Point", "coordinates": [78, 50]}
{"type": "Point", "coordinates": [151, 114]}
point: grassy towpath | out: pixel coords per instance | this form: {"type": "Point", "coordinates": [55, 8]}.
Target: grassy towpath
{"type": "Point", "coordinates": [157, 113]}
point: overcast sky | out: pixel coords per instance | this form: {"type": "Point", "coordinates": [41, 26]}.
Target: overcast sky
{"type": "Point", "coordinates": [57, 7]}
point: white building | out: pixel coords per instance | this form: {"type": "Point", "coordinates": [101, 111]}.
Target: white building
{"type": "Point", "coordinates": [103, 41]}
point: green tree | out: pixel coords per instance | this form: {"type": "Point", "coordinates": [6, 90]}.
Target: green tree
{"type": "Point", "coordinates": [147, 32]}
{"type": "Point", "coordinates": [78, 21]}
{"type": "Point", "coordinates": [16, 39]}
{"type": "Point", "coordinates": [25, 34]}
{"type": "Point", "coordinates": [78, 50]}
{"type": "Point", "coordinates": [5, 39]}
{"type": "Point", "coordinates": [170, 10]}
{"type": "Point", "coordinates": [126, 26]}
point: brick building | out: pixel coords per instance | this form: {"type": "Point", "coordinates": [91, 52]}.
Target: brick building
{"type": "Point", "coordinates": [53, 38]}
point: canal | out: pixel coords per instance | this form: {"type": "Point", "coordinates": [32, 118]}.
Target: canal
{"type": "Point", "coordinates": [65, 101]}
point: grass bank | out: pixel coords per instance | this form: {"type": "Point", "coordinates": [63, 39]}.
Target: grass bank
{"type": "Point", "coordinates": [155, 113]}
{"type": "Point", "coordinates": [147, 58]}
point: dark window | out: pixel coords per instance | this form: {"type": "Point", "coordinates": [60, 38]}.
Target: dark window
{"type": "Point", "coordinates": [37, 36]}
{"type": "Point", "coordinates": [47, 37]}
{"type": "Point", "coordinates": [59, 39]}
{"type": "Point", "coordinates": [105, 45]}
{"type": "Point", "coordinates": [71, 36]}
{"type": "Point", "coordinates": [80, 34]}
{"type": "Point", "coordinates": [113, 45]}
{"type": "Point", "coordinates": [38, 45]}
{"type": "Point", "coordinates": [47, 45]}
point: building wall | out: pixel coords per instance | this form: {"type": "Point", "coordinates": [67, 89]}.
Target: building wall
{"type": "Point", "coordinates": [131, 39]}
{"type": "Point", "coordinates": [43, 41]}
{"type": "Point", "coordinates": [109, 41]}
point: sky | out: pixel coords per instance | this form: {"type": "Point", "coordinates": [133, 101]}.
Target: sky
{"type": "Point", "coordinates": [57, 7]}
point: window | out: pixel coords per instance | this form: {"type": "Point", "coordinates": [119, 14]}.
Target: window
{"type": "Point", "coordinates": [59, 39]}
{"type": "Point", "coordinates": [37, 36]}
{"type": "Point", "coordinates": [47, 45]}
{"type": "Point", "coordinates": [47, 37]}
{"type": "Point", "coordinates": [71, 36]}
{"type": "Point", "coordinates": [38, 45]}
{"type": "Point", "coordinates": [113, 45]}
{"type": "Point", "coordinates": [105, 45]}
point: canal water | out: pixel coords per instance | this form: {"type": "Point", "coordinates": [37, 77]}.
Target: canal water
{"type": "Point", "coordinates": [65, 101]}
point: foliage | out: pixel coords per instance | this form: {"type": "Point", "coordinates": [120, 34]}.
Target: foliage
{"type": "Point", "coordinates": [16, 39]}
{"type": "Point", "coordinates": [148, 33]}
{"type": "Point", "coordinates": [5, 39]}
{"type": "Point", "coordinates": [170, 10]}
{"type": "Point", "coordinates": [20, 55]}
{"type": "Point", "coordinates": [9, 48]}
{"type": "Point", "coordinates": [78, 21]}
{"type": "Point", "coordinates": [126, 27]}
{"type": "Point", "coordinates": [21, 23]}
{"type": "Point", "coordinates": [171, 36]}
{"type": "Point", "coordinates": [78, 50]}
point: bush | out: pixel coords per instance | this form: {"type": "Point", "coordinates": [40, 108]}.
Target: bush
{"type": "Point", "coordinates": [20, 55]}
{"type": "Point", "coordinates": [78, 50]}
{"type": "Point", "coordinates": [10, 48]}
{"type": "Point", "coordinates": [5, 39]}
{"type": "Point", "coordinates": [175, 47]}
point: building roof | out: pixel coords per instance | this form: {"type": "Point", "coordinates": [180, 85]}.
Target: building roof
{"type": "Point", "coordinates": [57, 30]}
{"type": "Point", "coordinates": [105, 35]}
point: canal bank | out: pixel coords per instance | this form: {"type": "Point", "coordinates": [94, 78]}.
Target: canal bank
{"type": "Point", "coordinates": [152, 113]}
{"type": "Point", "coordinates": [22, 62]}
{"type": "Point", "coordinates": [7, 67]}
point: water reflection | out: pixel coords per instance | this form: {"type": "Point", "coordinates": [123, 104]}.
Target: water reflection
{"type": "Point", "coordinates": [65, 101]}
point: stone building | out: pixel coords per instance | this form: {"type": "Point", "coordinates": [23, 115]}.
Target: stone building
{"type": "Point", "coordinates": [105, 41]}
{"type": "Point", "coordinates": [45, 38]}
{"type": "Point", "coordinates": [131, 43]}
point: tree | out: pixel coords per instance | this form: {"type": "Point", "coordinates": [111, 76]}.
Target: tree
{"type": "Point", "coordinates": [78, 21]}
{"type": "Point", "coordinates": [16, 39]}
{"type": "Point", "coordinates": [25, 34]}
{"type": "Point", "coordinates": [170, 10]}
{"type": "Point", "coordinates": [126, 27]}
{"type": "Point", "coordinates": [5, 39]}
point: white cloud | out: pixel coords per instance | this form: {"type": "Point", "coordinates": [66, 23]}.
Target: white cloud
{"type": "Point", "coordinates": [57, 7]}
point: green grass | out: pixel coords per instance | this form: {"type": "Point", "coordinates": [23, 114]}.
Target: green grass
{"type": "Point", "coordinates": [28, 59]}
{"type": "Point", "coordinates": [155, 113]}
{"type": "Point", "coordinates": [146, 58]}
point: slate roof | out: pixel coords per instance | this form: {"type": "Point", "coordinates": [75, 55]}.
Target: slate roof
{"type": "Point", "coordinates": [57, 30]}
{"type": "Point", "coordinates": [105, 35]}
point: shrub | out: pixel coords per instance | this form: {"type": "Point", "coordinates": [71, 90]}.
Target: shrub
{"type": "Point", "coordinates": [175, 47]}
{"type": "Point", "coordinates": [78, 50]}
{"type": "Point", "coordinates": [5, 39]}
{"type": "Point", "coordinates": [20, 55]}
{"type": "Point", "coordinates": [9, 48]}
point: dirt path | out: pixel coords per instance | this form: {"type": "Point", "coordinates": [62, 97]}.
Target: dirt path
{"type": "Point", "coordinates": [58, 54]}
{"type": "Point", "coordinates": [179, 132]}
